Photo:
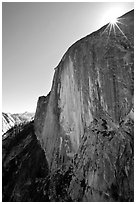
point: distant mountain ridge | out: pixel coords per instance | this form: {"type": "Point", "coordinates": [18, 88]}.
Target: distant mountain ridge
{"type": "Point", "coordinates": [9, 120]}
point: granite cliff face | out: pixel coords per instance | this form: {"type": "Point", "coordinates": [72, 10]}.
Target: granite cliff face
{"type": "Point", "coordinates": [41, 113]}
{"type": "Point", "coordinates": [89, 116]}
{"type": "Point", "coordinates": [94, 80]}
{"type": "Point", "coordinates": [81, 145]}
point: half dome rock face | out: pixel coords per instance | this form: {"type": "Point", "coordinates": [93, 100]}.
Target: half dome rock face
{"type": "Point", "coordinates": [93, 81]}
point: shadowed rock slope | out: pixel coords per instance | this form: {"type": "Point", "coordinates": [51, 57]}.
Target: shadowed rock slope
{"type": "Point", "coordinates": [85, 126]}
{"type": "Point", "coordinates": [24, 165]}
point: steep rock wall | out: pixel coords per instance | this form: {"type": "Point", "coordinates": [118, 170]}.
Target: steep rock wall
{"type": "Point", "coordinates": [93, 79]}
{"type": "Point", "coordinates": [40, 114]}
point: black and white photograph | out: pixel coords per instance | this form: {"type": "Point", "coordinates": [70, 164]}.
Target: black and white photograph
{"type": "Point", "coordinates": [67, 101]}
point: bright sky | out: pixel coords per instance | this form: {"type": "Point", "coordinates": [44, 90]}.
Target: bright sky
{"type": "Point", "coordinates": [35, 36]}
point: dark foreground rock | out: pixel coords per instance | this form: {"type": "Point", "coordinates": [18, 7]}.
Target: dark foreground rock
{"type": "Point", "coordinates": [24, 165]}
{"type": "Point", "coordinates": [102, 169]}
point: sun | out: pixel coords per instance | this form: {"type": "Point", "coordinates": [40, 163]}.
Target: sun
{"type": "Point", "coordinates": [111, 16]}
{"type": "Point", "coordinates": [113, 22]}
{"type": "Point", "coordinates": [112, 19]}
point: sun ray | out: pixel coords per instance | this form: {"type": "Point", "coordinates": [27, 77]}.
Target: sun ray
{"type": "Point", "coordinates": [119, 21]}
{"type": "Point", "coordinates": [121, 31]}
{"type": "Point", "coordinates": [112, 25]}
{"type": "Point", "coordinates": [105, 29]}
{"type": "Point", "coordinates": [110, 29]}
{"type": "Point", "coordinates": [114, 28]}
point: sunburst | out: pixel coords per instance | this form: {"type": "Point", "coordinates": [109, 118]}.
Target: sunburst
{"type": "Point", "coordinates": [114, 25]}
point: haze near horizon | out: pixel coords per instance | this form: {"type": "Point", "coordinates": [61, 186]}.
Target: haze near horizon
{"type": "Point", "coordinates": [35, 36]}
